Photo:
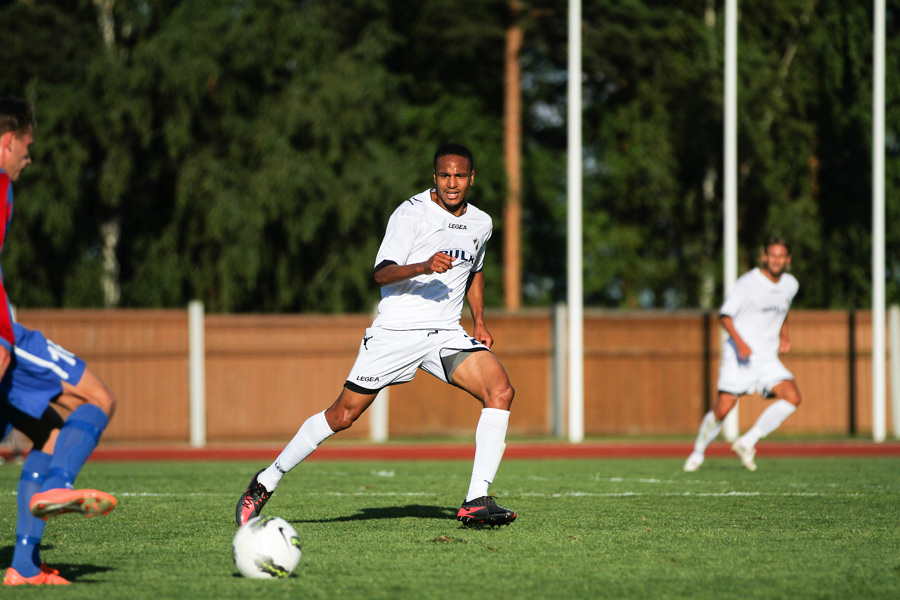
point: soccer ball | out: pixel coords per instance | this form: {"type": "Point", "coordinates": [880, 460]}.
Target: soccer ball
{"type": "Point", "coordinates": [266, 548]}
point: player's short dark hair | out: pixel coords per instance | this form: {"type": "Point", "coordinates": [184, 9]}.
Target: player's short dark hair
{"type": "Point", "coordinates": [15, 115]}
{"type": "Point", "coordinates": [775, 240]}
{"type": "Point", "coordinates": [454, 150]}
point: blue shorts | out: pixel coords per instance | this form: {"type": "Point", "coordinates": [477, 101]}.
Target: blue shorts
{"type": "Point", "coordinates": [35, 375]}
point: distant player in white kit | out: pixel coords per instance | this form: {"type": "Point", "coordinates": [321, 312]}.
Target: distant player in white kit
{"type": "Point", "coordinates": [755, 316]}
{"type": "Point", "coordinates": [430, 259]}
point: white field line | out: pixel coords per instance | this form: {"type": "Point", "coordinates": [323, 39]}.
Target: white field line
{"type": "Point", "coordinates": [572, 494]}
{"type": "Point", "coordinates": [645, 485]}
{"type": "Point", "coordinates": [678, 494]}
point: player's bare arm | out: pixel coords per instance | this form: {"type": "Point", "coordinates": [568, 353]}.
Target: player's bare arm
{"type": "Point", "coordinates": [785, 346]}
{"type": "Point", "coordinates": [392, 272]}
{"type": "Point", "coordinates": [475, 298]}
{"type": "Point", "coordinates": [744, 351]}
{"type": "Point", "coordinates": [4, 360]}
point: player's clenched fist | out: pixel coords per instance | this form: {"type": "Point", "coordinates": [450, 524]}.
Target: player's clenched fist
{"type": "Point", "coordinates": [439, 263]}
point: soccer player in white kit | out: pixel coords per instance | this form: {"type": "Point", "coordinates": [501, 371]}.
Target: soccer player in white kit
{"type": "Point", "coordinates": [755, 316]}
{"type": "Point", "coordinates": [430, 259]}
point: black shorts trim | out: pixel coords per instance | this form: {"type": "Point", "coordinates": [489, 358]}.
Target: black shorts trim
{"type": "Point", "coordinates": [359, 389]}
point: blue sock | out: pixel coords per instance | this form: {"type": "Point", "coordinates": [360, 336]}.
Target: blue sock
{"type": "Point", "coordinates": [77, 439]}
{"type": "Point", "coordinates": [29, 529]}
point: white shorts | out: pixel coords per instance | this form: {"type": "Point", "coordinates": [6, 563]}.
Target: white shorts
{"type": "Point", "coordinates": [753, 375]}
{"type": "Point", "coordinates": [387, 357]}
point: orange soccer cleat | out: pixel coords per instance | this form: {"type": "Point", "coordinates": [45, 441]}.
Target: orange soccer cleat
{"type": "Point", "coordinates": [47, 576]}
{"type": "Point", "coordinates": [91, 503]}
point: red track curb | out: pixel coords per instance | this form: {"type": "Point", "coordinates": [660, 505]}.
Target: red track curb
{"type": "Point", "coordinates": [466, 451]}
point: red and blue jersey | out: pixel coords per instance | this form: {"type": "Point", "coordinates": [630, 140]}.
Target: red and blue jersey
{"type": "Point", "coordinates": [7, 337]}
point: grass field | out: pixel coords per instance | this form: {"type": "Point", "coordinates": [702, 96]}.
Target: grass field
{"type": "Point", "coordinates": [797, 528]}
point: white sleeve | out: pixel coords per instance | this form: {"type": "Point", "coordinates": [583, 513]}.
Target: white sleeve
{"type": "Point", "coordinates": [479, 258]}
{"type": "Point", "coordinates": [734, 302]}
{"type": "Point", "coordinates": [399, 237]}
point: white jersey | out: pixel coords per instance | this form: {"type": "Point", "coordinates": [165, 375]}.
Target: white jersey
{"type": "Point", "coordinates": [758, 307]}
{"type": "Point", "coordinates": [416, 231]}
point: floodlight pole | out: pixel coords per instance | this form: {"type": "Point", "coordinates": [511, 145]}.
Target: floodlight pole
{"type": "Point", "coordinates": [574, 263]}
{"type": "Point", "coordinates": [879, 397]}
{"type": "Point", "coordinates": [730, 427]}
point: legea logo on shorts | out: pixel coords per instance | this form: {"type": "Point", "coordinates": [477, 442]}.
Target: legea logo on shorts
{"type": "Point", "coordinates": [365, 378]}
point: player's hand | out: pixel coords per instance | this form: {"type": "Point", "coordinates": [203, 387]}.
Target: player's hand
{"type": "Point", "coordinates": [439, 263]}
{"type": "Point", "coordinates": [483, 335]}
{"type": "Point", "coordinates": [743, 350]}
{"type": "Point", "coordinates": [5, 358]}
{"type": "Point", "coordinates": [784, 347]}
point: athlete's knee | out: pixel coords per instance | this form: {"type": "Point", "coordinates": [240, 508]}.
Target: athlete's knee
{"type": "Point", "coordinates": [500, 396]}
{"type": "Point", "coordinates": [339, 420]}
{"type": "Point", "coordinates": [107, 403]}
{"type": "Point", "coordinates": [723, 406]}
{"type": "Point", "coordinates": [93, 390]}
{"type": "Point", "coordinates": [792, 395]}
{"type": "Point", "coordinates": [340, 417]}
{"type": "Point", "coordinates": [104, 399]}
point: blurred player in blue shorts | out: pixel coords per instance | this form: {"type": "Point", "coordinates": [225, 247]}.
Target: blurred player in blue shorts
{"type": "Point", "coordinates": [36, 372]}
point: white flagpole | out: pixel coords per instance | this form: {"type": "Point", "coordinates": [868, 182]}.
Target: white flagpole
{"type": "Point", "coordinates": [879, 397]}
{"type": "Point", "coordinates": [731, 426]}
{"type": "Point", "coordinates": [575, 295]}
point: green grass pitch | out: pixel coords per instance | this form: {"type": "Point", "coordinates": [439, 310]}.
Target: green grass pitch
{"type": "Point", "coordinates": [797, 528]}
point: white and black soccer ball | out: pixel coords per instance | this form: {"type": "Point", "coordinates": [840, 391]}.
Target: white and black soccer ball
{"type": "Point", "coordinates": [266, 548]}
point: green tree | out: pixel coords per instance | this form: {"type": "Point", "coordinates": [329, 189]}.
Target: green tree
{"type": "Point", "coordinates": [249, 152]}
{"type": "Point", "coordinates": [652, 134]}
{"type": "Point", "coordinates": [50, 249]}
{"type": "Point", "coordinates": [653, 146]}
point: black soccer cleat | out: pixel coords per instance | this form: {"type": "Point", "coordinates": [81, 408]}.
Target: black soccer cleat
{"type": "Point", "coordinates": [484, 511]}
{"type": "Point", "coordinates": [252, 501]}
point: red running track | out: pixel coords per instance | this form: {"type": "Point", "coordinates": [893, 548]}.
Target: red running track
{"type": "Point", "coordinates": [466, 451]}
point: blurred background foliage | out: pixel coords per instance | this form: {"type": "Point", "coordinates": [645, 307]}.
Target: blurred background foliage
{"type": "Point", "coordinates": [249, 152]}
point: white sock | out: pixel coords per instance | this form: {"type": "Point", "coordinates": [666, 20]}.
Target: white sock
{"type": "Point", "coordinates": [709, 430]}
{"type": "Point", "coordinates": [490, 442]}
{"type": "Point", "coordinates": [313, 432]}
{"type": "Point", "coordinates": [767, 422]}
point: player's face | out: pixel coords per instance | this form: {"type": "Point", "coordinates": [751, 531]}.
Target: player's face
{"type": "Point", "coordinates": [14, 152]}
{"type": "Point", "coordinates": [452, 180]}
{"type": "Point", "coordinates": [776, 260]}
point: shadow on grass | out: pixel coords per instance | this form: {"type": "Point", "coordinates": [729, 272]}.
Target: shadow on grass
{"type": "Point", "coordinates": [391, 512]}
{"type": "Point", "coordinates": [6, 555]}
{"type": "Point", "coordinates": [71, 572]}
